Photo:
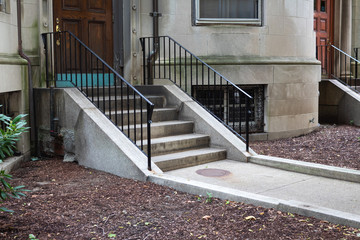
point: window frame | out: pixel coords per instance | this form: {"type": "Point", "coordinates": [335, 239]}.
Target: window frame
{"type": "Point", "coordinates": [228, 21]}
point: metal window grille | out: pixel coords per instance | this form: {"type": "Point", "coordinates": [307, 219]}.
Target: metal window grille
{"type": "Point", "coordinates": [232, 111]}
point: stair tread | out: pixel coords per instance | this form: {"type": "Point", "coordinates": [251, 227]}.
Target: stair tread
{"type": "Point", "coordinates": [177, 138]}
{"type": "Point", "coordinates": [188, 153]}
{"type": "Point", "coordinates": [131, 97]}
{"type": "Point", "coordinates": [161, 123]}
{"type": "Point", "coordinates": [138, 110]}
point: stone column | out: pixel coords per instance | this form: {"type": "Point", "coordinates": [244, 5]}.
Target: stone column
{"type": "Point", "coordinates": [346, 23]}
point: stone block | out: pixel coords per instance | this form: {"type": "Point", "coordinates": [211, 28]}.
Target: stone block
{"type": "Point", "coordinates": [297, 73]}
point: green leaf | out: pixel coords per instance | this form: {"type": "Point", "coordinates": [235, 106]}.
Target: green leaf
{"type": "Point", "coordinates": [3, 209]}
{"type": "Point", "coordinates": [112, 235]}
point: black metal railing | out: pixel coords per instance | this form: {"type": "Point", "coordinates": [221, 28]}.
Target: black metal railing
{"type": "Point", "coordinates": [339, 65]}
{"type": "Point", "coordinates": [70, 63]}
{"type": "Point", "coordinates": [164, 58]}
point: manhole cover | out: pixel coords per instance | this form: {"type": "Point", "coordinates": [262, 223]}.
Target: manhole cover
{"type": "Point", "coordinates": [212, 172]}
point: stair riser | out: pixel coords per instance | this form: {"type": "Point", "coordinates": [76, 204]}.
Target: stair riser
{"type": "Point", "coordinates": [191, 161]}
{"type": "Point", "coordinates": [164, 131]}
{"type": "Point", "coordinates": [174, 146]}
{"type": "Point", "coordinates": [156, 117]}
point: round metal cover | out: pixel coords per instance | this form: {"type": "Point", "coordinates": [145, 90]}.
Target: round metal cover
{"type": "Point", "coordinates": [212, 172]}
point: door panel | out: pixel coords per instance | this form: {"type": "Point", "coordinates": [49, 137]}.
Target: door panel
{"type": "Point", "coordinates": [71, 4]}
{"type": "Point", "coordinates": [97, 31]}
{"type": "Point", "coordinates": [96, 5]}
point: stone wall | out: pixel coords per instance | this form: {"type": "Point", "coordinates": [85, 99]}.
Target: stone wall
{"type": "Point", "coordinates": [280, 54]}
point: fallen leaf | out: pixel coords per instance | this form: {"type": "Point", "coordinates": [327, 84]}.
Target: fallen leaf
{"type": "Point", "coordinates": [250, 218]}
{"type": "Point", "coordinates": [206, 217]}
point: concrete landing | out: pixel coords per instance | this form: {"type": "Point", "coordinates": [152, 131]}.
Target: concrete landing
{"type": "Point", "coordinates": [334, 197]}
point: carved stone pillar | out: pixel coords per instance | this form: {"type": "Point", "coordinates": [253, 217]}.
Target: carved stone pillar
{"type": "Point", "coordinates": [346, 23]}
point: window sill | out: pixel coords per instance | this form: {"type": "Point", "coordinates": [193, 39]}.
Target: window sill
{"type": "Point", "coordinates": [246, 22]}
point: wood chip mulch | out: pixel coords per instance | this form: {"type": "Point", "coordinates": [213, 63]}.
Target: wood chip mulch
{"type": "Point", "coordinates": [68, 201]}
{"type": "Point", "coordinates": [334, 145]}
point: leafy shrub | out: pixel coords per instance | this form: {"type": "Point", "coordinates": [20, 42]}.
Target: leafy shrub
{"type": "Point", "coordinates": [7, 191]}
{"type": "Point", "coordinates": [8, 138]}
{"type": "Point", "coordinates": [11, 134]}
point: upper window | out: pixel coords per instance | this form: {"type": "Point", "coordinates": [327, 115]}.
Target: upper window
{"type": "Point", "coordinates": [228, 12]}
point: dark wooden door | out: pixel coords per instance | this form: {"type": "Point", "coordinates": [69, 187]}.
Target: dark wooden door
{"type": "Point", "coordinates": [90, 21]}
{"type": "Point", "coordinates": [323, 26]}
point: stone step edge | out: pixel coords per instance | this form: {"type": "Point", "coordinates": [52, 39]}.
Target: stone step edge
{"type": "Point", "coordinates": [315, 169]}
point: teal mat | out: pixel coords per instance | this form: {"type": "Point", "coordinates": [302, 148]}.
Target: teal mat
{"type": "Point", "coordinates": [85, 79]}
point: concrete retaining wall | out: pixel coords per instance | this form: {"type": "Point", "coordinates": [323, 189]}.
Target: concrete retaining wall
{"type": "Point", "coordinates": [89, 135]}
{"type": "Point", "coordinates": [338, 104]}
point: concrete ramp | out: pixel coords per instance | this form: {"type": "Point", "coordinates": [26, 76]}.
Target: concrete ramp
{"type": "Point", "coordinates": [338, 103]}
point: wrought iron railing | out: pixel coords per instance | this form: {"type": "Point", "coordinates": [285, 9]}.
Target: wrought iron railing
{"type": "Point", "coordinates": [339, 65]}
{"type": "Point", "coordinates": [164, 58]}
{"type": "Point", "coordinates": [70, 63]}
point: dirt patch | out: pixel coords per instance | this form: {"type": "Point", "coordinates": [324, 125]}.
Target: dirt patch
{"type": "Point", "coordinates": [72, 202]}
{"type": "Point", "coordinates": [330, 145]}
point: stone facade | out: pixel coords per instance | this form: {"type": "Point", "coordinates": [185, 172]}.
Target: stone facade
{"type": "Point", "coordinates": [280, 54]}
{"type": "Point", "coordinates": [14, 87]}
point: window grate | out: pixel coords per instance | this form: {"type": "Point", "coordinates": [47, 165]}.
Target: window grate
{"type": "Point", "coordinates": [224, 103]}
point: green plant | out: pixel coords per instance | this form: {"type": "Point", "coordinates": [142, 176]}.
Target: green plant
{"type": "Point", "coordinates": [351, 122]}
{"type": "Point", "coordinates": [209, 198]}
{"type": "Point", "coordinates": [8, 138]}
{"type": "Point", "coordinates": [11, 134]}
{"type": "Point", "coordinates": [7, 191]}
{"type": "Point", "coordinates": [33, 237]}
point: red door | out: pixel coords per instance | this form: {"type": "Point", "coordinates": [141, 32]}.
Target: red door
{"type": "Point", "coordinates": [90, 21]}
{"type": "Point", "coordinates": [323, 26]}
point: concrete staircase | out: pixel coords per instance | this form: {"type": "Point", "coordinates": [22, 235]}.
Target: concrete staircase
{"type": "Point", "coordinates": [174, 143]}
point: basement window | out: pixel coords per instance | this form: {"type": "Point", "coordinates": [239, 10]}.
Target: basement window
{"type": "Point", "coordinates": [5, 6]}
{"type": "Point", "coordinates": [246, 12]}
{"type": "Point", "coordinates": [226, 105]}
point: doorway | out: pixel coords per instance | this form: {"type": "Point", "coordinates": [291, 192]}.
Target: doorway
{"type": "Point", "coordinates": [90, 21]}
{"type": "Point", "coordinates": [324, 28]}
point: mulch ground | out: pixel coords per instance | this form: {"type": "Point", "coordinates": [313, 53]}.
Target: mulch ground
{"type": "Point", "coordinates": [330, 145]}
{"type": "Point", "coordinates": [68, 201]}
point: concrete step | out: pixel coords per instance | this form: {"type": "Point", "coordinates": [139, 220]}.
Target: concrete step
{"type": "Point", "coordinates": [106, 91]}
{"type": "Point", "coordinates": [110, 102]}
{"type": "Point", "coordinates": [189, 158]}
{"type": "Point", "coordinates": [159, 114]}
{"type": "Point", "coordinates": [162, 129]}
{"type": "Point", "coordinates": [172, 144]}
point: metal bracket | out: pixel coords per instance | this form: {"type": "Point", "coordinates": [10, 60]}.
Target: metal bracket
{"type": "Point", "coordinates": [156, 14]}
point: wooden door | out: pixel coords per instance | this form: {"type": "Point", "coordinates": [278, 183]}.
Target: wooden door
{"type": "Point", "coordinates": [90, 21]}
{"type": "Point", "coordinates": [323, 26]}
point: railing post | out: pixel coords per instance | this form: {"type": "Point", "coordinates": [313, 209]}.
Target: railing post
{"type": "Point", "coordinates": [247, 113]}
{"type": "Point", "coordinates": [149, 115]}
{"type": "Point", "coordinates": [142, 41]}
{"type": "Point", "coordinates": [356, 66]}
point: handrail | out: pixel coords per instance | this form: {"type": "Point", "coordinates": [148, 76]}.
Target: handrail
{"type": "Point", "coordinates": [337, 64]}
{"type": "Point", "coordinates": [341, 51]}
{"type": "Point", "coordinates": [195, 77]}
{"type": "Point", "coordinates": [69, 62]}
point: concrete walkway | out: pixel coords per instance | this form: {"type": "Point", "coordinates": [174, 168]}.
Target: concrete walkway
{"type": "Point", "coordinates": [334, 197]}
